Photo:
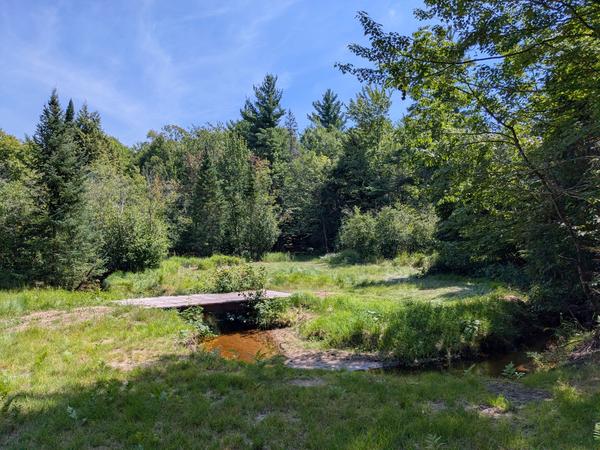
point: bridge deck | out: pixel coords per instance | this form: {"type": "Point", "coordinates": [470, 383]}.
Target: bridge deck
{"type": "Point", "coordinates": [183, 301]}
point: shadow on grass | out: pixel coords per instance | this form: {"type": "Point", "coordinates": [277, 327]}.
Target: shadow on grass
{"type": "Point", "coordinates": [206, 402]}
{"type": "Point", "coordinates": [460, 287]}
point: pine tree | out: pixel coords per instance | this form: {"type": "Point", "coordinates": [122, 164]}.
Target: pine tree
{"type": "Point", "coordinates": [70, 112]}
{"type": "Point", "coordinates": [262, 114]}
{"type": "Point", "coordinates": [328, 112]}
{"type": "Point", "coordinates": [89, 136]}
{"type": "Point", "coordinates": [207, 210]}
{"type": "Point", "coordinates": [64, 240]}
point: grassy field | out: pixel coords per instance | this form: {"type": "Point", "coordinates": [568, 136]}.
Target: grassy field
{"type": "Point", "coordinates": [393, 309]}
{"type": "Point", "coordinates": [78, 372]}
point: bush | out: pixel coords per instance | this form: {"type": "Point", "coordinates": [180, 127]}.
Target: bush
{"type": "Point", "coordinates": [404, 229]}
{"type": "Point", "coordinates": [128, 219]}
{"type": "Point", "coordinates": [270, 312]}
{"type": "Point", "coordinates": [241, 277]}
{"type": "Point", "coordinates": [358, 233]}
{"type": "Point", "coordinates": [389, 232]}
{"type": "Point", "coordinates": [195, 317]}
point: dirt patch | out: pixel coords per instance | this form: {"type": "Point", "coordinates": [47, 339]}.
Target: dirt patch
{"type": "Point", "coordinates": [437, 406]}
{"type": "Point", "coordinates": [131, 359]}
{"type": "Point", "coordinates": [493, 412]}
{"type": "Point", "coordinates": [57, 318]}
{"type": "Point", "coordinates": [297, 356]}
{"type": "Point", "coordinates": [517, 394]}
{"type": "Point", "coordinates": [513, 299]}
{"type": "Point", "coordinates": [589, 350]}
{"type": "Point", "coordinates": [307, 382]}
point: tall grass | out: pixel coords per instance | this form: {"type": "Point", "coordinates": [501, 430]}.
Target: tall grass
{"type": "Point", "coordinates": [176, 275]}
{"type": "Point", "coordinates": [17, 302]}
{"type": "Point", "coordinates": [415, 330]}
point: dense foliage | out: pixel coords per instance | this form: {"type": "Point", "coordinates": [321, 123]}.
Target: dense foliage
{"type": "Point", "coordinates": [495, 166]}
{"type": "Point", "coordinates": [503, 133]}
{"type": "Point", "coordinates": [73, 207]}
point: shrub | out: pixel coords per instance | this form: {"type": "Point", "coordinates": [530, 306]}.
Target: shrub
{"type": "Point", "coordinates": [404, 229]}
{"type": "Point", "coordinates": [195, 317]}
{"type": "Point", "coordinates": [358, 233]}
{"type": "Point", "coordinates": [128, 219]}
{"type": "Point", "coordinates": [241, 277]}
{"type": "Point", "coordinates": [389, 232]}
{"type": "Point", "coordinates": [270, 312]}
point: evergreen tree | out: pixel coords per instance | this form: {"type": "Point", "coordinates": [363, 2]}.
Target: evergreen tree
{"type": "Point", "coordinates": [89, 136]}
{"type": "Point", "coordinates": [207, 210]}
{"type": "Point", "coordinates": [328, 112]}
{"type": "Point", "coordinates": [70, 112]}
{"type": "Point", "coordinates": [262, 114]}
{"type": "Point", "coordinates": [64, 240]}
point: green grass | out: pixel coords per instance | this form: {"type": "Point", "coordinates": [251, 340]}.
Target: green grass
{"type": "Point", "coordinates": [391, 308]}
{"type": "Point", "coordinates": [15, 303]}
{"type": "Point", "coordinates": [174, 276]}
{"type": "Point", "coordinates": [123, 378]}
{"type": "Point", "coordinates": [69, 387]}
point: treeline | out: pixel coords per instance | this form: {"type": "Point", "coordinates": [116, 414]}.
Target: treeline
{"type": "Point", "coordinates": [73, 204]}
{"type": "Point", "coordinates": [77, 204]}
{"type": "Point", "coordinates": [257, 183]}
{"type": "Point", "coordinates": [494, 170]}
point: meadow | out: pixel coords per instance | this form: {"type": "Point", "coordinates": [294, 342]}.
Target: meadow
{"type": "Point", "coordinates": [76, 371]}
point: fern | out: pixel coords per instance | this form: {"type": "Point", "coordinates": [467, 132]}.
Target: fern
{"type": "Point", "coordinates": [510, 371]}
{"type": "Point", "coordinates": [597, 431]}
{"type": "Point", "coordinates": [434, 442]}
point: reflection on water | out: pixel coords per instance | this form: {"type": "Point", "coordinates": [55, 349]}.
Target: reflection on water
{"type": "Point", "coordinates": [490, 365]}
{"type": "Point", "coordinates": [248, 345]}
{"type": "Point", "coordinates": [494, 365]}
{"type": "Point", "coordinates": [243, 345]}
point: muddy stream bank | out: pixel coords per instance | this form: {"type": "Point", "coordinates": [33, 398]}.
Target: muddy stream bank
{"type": "Point", "coordinates": [250, 344]}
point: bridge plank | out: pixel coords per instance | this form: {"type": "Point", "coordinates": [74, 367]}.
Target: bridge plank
{"type": "Point", "coordinates": [182, 301]}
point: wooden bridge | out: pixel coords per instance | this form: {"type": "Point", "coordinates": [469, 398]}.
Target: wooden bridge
{"type": "Point", "coordinates": [210, 302]}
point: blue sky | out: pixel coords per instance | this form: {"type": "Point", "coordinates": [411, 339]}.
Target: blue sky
{"type": "Point", "coordinates": [144, 64]}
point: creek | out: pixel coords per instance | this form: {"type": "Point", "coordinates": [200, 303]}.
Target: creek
{"type": "Point", "coordinates": [248, 345]}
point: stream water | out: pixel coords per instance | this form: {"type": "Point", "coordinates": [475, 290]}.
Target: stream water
{"type": "Point", "coordinates": [243, 345]}
{"type": "Point", "coordinates": [248, 345]}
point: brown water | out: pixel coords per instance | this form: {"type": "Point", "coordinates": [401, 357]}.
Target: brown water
{"type": "Point", "coordinates": [250, 345]}
{"type": "Point", "coordinates": [243, 345]}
